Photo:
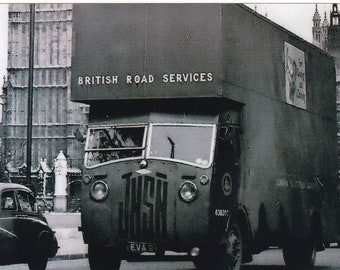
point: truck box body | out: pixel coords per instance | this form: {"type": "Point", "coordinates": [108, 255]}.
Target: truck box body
{"type": "Point", "coordinates": [222, 57]}
{"type": "Point", "coordinates": [235, 45]}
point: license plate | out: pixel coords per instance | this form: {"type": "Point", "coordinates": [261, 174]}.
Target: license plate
{"type": "Point", "coordinates": [140, 247]}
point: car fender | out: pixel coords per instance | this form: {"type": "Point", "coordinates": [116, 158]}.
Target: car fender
{"type": "Point", "coordinates": [10, 244]}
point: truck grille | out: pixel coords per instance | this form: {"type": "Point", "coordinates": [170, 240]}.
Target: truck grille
{"type": "Point", "coordinates": [143, 214]}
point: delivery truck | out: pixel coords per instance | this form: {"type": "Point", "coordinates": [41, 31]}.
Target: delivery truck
{"type": "Point", "coordinates": [212, 131]}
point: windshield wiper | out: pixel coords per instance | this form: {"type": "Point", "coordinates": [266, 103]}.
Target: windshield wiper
{"type": "Point", "coordinates": [172, 154]}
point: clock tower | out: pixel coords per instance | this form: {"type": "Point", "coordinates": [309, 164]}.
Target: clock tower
{"type": "Point", "coordinates": [333, 46]}
{"type": "Point", "coordinates": [327, 37]}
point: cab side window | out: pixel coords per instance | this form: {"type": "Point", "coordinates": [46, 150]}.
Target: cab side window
{"type": "Point", "coordinates": [230, 147]}
{"type": "Point", "coordinates": [26, 201]}
{"type": "Point", "coordinates": [8, 201]}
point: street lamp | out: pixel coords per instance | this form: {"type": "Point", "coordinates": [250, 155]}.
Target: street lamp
{"type": "Point", "coordinates": [30, 96]}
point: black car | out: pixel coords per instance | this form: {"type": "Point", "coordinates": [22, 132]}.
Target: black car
{"type": "Point", "coordinates": [25, 236]}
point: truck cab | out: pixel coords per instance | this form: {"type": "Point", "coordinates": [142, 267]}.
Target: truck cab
{"type": "Point", "coordinates": [166, 179]}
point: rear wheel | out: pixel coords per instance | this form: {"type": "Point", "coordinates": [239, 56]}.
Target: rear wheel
{"type": "Point", "coordinates": [227, 255]}
{"type": "Point", "coordinates": [46, 246]}
{"type": "Point", "coordinates": [104, 257]}
{"type": "Point", "coordinates": [38, 262]}
{"type": "Point", "coordinates": [300, 254]}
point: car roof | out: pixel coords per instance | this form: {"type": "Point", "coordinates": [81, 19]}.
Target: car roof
{"type": "Point", "coordinates": [13, 186]}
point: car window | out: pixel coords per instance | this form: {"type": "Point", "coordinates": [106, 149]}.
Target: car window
{"type": "Point", "coordinates": [26, 201]}
{"type": "Point", "coordinates": [8, 200]}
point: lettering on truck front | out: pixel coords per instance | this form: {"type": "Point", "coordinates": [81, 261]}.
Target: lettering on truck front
{"type": "Point", "coordinates": [144, 211]}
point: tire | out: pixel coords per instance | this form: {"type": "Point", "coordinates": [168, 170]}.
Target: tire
{"type": "Point", "coordinates": [38, 262]}
{"type": "Point", "coordinates": [46, 247]}
{"type": "Point", "coordinates": [104, 258]}
{"type": "Point", "coordinates": [300, 255]}
{"type": "Point", "coordinates": [203, 261]}
{"type": "Point", "coordinates": [227, 255]}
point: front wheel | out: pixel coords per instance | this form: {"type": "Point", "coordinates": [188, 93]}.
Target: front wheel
{"type": "Point", "coordinates": [225, 256]}
{"type": "Point", "coordinates": [229, 255]}
{"type": "Point", "coordinates": [300, 254]}
{"type": "Point", "coordinates": [104, 257]}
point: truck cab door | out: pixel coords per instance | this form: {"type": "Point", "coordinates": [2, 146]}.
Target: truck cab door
{"type": "Point", "coordinates": [226, 177]}
{"type": "Point", "coordinates": [228, 161]}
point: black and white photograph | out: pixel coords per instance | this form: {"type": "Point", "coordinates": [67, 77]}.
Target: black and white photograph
{"type": "Point", "coordinates": [169, 135]}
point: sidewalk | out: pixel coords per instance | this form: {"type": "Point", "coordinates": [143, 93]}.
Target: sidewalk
{"type": "Point", "coordinates": [70, 240]}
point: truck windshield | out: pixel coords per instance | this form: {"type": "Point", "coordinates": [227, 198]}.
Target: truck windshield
{"type": "Point", "coordinates": [191, 144]}
{"type": "Point", "coordinates": [184, 143]}
{"type": "Point", "coordinates": [106, 144]}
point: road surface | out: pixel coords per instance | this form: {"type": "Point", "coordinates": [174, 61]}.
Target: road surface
{"type": "Point", "coordinates": [268, 260]}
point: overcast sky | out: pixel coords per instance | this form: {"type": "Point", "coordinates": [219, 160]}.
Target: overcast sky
{"type": "Point", "coordinates": [3, 41]}
{"type": "Point", "coordinates": [295, 17]}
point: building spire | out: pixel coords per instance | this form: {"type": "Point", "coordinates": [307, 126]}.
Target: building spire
{"type": "Point", "coordinates": [325, 22]}
{"type": "Point", "coordinates": [320, 31]}
{"type": "Point", "coordinates": [316, 17]}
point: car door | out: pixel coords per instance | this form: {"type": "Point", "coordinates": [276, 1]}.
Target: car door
{"type": "Point", "coordinates": [9, 240]}
{"type": "Point", "coordinates": [28, 223]}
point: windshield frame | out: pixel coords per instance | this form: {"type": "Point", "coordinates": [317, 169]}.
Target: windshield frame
{"type": "Point", "coordinates": [98, 127]}
{"type": "Point", "coordinates": [212, 143]}
{"type": "Point", "coordinates": [146, 146]}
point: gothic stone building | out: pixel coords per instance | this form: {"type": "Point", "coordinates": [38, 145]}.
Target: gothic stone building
{"type": "Point", "coordinates": [55, 119]}
{"type": "Point", "coordinates": [327, 36]}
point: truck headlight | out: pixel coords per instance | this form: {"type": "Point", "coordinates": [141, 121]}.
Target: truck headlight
{"type": "Point", "coordinates": [188, 191]}
{"type": "Point", "coordinates": [99, 190]}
